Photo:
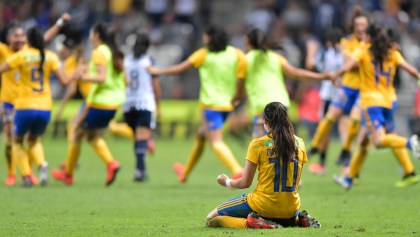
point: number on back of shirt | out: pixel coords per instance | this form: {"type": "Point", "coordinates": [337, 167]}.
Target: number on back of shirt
{"type": "Point", "coordinates": [37, 77]}
{"type": "Point", "coordinates": [135, 80]}
{"type": "Point", "coordinates": [284, 173]}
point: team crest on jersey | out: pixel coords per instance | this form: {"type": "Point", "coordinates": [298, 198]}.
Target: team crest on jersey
{"type": "Point", "coordinates": [269, 143]}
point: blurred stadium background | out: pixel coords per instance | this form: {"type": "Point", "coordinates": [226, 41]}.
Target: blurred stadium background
{"type": "Point", "coordinates": [175, 27]}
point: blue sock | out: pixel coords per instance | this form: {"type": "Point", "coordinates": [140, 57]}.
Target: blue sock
{"type": "Point", "coordinates": [409, 145]}
{"type": "Point", "coordinates": [140, 150]}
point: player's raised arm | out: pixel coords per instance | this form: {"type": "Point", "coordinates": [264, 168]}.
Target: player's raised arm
{"type": "Point", "coordinates": [410, 69]}
{"type": "Point", "coordinates": [53, 30]}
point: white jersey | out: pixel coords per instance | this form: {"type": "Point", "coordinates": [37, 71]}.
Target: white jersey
{"type": "Point", "coordinates": [139, 92]}
{"type": "Point", "coordinates": [328, 59]}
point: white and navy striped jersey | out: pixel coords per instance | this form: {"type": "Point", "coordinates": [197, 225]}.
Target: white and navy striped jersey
{"type": "Point", "coordinates": [139, 91]}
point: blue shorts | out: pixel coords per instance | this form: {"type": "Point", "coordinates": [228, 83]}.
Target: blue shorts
{"type": "Point", "coordinates": [33, 121]}
{"type": "Point", "coordinates": [236, 207]}
{"type": "Point", "coordinates": [345, 99]}
{"type": "Point", "coordinates": [215, 119]}
{"type": "Point", "coordinates": [138, 118]}
{"type": "Point", "coordinates": [97, 118]}
{"type": "Point", "coordinates": [8, 112]}
{"type": "Point", "coordinates": [377, 117]}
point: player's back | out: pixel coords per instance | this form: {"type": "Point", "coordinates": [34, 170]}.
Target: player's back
{"type": "Point", "coordinates": [377, 85]}
{"type": "Point", "coordinates": [139, 92]}
{"type": "Point", "coordinates": [34, 87]}
{"type": "Point", "coordinates": [276, 194]}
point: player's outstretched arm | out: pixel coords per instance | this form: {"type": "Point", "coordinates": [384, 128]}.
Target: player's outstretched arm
{"type": "Point", "coordinates": [348, 65]}
{"type": "Point", "coordinates": [4, 67]}
{"type": "Point", "coordinates": [410, 69]}
{"type": "Point", "coordinates": [298, 73]}
{"type": "Point", "coordinates": [53, 30]}
{"type": "Point", "coordinates": [243, 182]}
{"type": "Point", "coordinates": [175, 69]}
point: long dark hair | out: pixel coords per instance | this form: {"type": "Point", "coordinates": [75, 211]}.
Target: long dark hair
{"type": "Point", "coordinates": [258, 39]}
{"type": "Point", "coordinates": [218, 39]}
{"type": "Point", "coordinates": [282, 132]}
{"type": "Point", "coordinates": [36, 40]}
{"type": "Point", "coordinates": [141, 45]}
{"type": "Point", "coordinates": [380, 43]}
{"type": "Point", "coordinates": [108, 38]}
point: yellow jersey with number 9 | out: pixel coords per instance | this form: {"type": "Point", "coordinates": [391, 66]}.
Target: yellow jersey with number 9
{"type": "Point", "coordinates": [10, 79]}
{"type": "Point", "coordinates": [34, 85]}
{"type": "Point", "coordinates": [349, 44]}
{"type": "Point", "coordinates": [377, 85]}
{"type": "Point", "coordinates": [276, 194]}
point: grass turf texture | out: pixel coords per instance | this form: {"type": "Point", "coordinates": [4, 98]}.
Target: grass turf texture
{"type": "Point", "coordinates": [163, 207]}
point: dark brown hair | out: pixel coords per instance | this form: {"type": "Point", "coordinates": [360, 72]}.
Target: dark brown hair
{"type": "Point", "coordinates": [36, 40]}
{"type": "Point", "coordinates": [108, 37]}
{"type": "Point", "coordinates": [282, 132]}
{"type": "Point", "coordinates": [380, 43]}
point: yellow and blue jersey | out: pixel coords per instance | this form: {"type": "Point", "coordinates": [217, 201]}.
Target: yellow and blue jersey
{"type": "Point", "coordinates": [10, 79]}
{"type": "Point", "coordinates": [349, 44]}
{"type": "Point", "coordinates": [377, 84]}
{"type": "Point", "coordinates": [34, 86]}
{"type": "Point", "coordinates": [276, 194]}
{"type": "Point", "coordinates": [70, 65]}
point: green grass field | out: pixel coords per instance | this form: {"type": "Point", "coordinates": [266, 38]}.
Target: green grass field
{"type": "Point", "coordinates": [163, 207]}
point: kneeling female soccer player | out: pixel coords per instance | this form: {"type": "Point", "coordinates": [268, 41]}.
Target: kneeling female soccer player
{"type": "Point", "coordinates": [279, 157]}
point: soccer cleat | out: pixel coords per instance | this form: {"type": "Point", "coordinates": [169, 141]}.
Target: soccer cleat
{"type": "Point", "coordinates": [179, 171]}
{"type": "Point", "coordinates": [415, 146]}
{"type": "Point", "coordinates": [112, 170]}
{"type": "Point", "coordinates": [140, 176]}
{"type": "Point", "coordinates": [344, 158]}
{"type": "Point", "coordinates": [43, 174]}
{"type": "Point", "coordinates": [317, 168]}
{"type": "Point", "coordinates": [254, 221]}
{"type": "Point", "coordinates": [61, 175]}
{"type": "Point", "coordinates": [34, 179]}
{"type": "Point", "coordinates": [407, 181]}
{"type": "Point", "coordinates": [307, 221]}
{"type": "Point", "coordinates": [10, 180]}
{"type": "Point", "coordinates": [27, 181]}
{"type": "Point", "coordinates": [344, 182]}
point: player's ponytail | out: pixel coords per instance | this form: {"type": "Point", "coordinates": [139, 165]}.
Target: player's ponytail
{"type": "Point", "coordinates": [281, 130]}
{"type": "Point", "coordinates": [141, 45]}
{"type": "Point", "coordinates": [36, 40]}
{"type": "Point", "coordinates": [108, 37]}
{"type": "Point", "coordinates": [258, 40]}
{"type": "Point", "coordinates": [218, 39]}
{"type": "Point", "coordinates": [380, 43]}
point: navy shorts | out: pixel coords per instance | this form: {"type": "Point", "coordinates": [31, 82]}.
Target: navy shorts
{"type": "Point", "coordinates": [33, 121]}
{"type": "Point", "coordinates": [138, 118]}
{"type": "Point", "coordinates": [215, 119]}
{"type": "Point", "coordinates": [97, 118]}
{"type": "Point", "coordinates": [8, 112]}
{"type": "Point", "coordinates": [345, 99]}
